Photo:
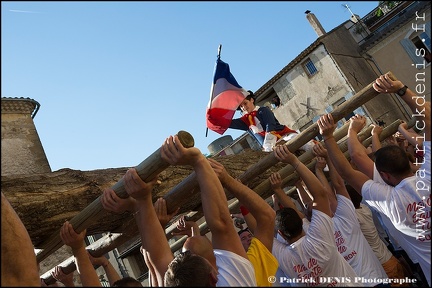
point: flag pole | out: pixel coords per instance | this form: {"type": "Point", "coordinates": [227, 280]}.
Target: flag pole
{"type": "Point", "coordinates": [211, 92]}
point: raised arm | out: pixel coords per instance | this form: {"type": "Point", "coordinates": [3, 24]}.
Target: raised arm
{"type": "Point", "coordinates": [262, 212]}
{"type": "Point", "coordinates": [84, 266]}
{"type": "Point", "coordinates": [337, 182]}
{"type": "Point", "coordinates": [110, 271]}
{"type": "Point", "coordinates": [285, 200]}
{"type": "Point", "coordinates": [66, 279]}
{"type": "Point", "coordinates": [354, 177]}
{"type": "Point", "coordinates": [411, 136]}
{"type": "Point", "coordinates": [356, 149]}
{"type": "Point", "coordinates": [418, 104]}
{"type": "Point", "coordinates": [375, 134]}
{"type": "Point", "coordinates": [153, 281]}
{"type": "Point", "coordinates": [187, 227]}
{"type": "Point", "coordinates": [249, 219]}
{"type": "Point", "coordinates": [320, 164]}
{"type": "Point", "coordinates": [304, 195]}
{"type": "Point", "coordinates": [111, 202]}
{"type": "Point", "coordinates": [213, 198]}
{"type": "Point", "coordinates": [162, 212]}
{"type": "Point", "coordinates": [153, 236]}
{"type": "Point", "coordinates": [276, 203]}
{"type": "Point", "coordinates": [335, 178]}
{"type": "Point", "coordinates": [320, 198]}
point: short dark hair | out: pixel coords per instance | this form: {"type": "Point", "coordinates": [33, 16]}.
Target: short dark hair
{"type": "Point", "coordinates": [251, 95]}
{"type": "Point", "coordinates": [244, 230]}
{"type": "Point", "coordinates": [392, 159]}
{"type": "Point", "coordinates": [188, 269]}
{"type": "Point", "coordinates": [288, 222]}
{"type": "Point", "coordinates": [127, 282]}
{"type": "Point", "coordinates": [248, 97]}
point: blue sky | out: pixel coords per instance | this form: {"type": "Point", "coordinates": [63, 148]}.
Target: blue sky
{"type": "Point", "coordinates": [115, 79]}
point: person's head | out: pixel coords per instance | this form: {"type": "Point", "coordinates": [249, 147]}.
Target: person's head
{"type": "Point", "coordinates": [127, 282]}
{"type": "Point", "coordinates": [393, 164]}
{"type": "Point", "coordinates": [288, 223]}
{"type": "Point", "coordinates": [276, 101]}
{"type": "Point", "coordinates": [245, 237]}
{"type": "Point", "coordinates": [191, 270]}
{"type": "Point", "coordinates": [248, 104]}
{"type": "Point", "coordinates": [356, 198]}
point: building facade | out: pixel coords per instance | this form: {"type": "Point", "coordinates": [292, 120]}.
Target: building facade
{"type": "Point", "coordinates": [341, 62]}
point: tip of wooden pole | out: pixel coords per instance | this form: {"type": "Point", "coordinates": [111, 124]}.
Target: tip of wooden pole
{"type": "Point", "coordinates": [391, 75]}
{"type": "Point", "coordinates": [186, 139]}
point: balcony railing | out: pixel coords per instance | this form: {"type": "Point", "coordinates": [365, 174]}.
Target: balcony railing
{"type": "Point", "coordinates": [373, 18]}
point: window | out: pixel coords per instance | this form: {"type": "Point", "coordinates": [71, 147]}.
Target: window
{"type": "Point", "coordinates": [309, 67]}
{"type": "Point", "coordinates": [418, 47]}
{"type": "Point", "coordinates": [275, 102]}
{"type": "Point", "coordinates": [423, 45]}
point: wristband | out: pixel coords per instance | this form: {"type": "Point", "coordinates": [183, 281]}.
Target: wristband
{"type": "Point", "coordinates": [244, 211]}
{"type": "Point", "coordinates": [401, 92]}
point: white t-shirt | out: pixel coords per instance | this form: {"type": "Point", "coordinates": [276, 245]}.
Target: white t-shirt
{"type": "Point", "coordinates": [280, 279]}
{"type": "Point", "coordinates": [352, 244]}
{"type": "Point", "coordinates": [367, 226]}
{"type": "Point", "coordinates": [314, 256]}
{"type": "Point", "coordinates": [407, 205]}
{"type": "Point", "coordinates": [395, 236]}
{"type": "Point", "coordinates": [233, 270]}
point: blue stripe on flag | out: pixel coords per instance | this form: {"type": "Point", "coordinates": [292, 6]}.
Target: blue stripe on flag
{"type": "Point", "coordinates": [223, 71]}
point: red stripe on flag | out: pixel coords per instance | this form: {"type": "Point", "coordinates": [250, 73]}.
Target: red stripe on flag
{"type": "Point", "coordinates": [222, 110]}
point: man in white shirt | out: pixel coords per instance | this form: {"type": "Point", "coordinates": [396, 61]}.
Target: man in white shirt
{"type": "Point", "coordinates": [405, 199]}
{"type": "Point", "coordinates": [350, 241]}
{"type": "Point", "coordinates": [233, 267]}
{"type": "Point", "coordinates": [309, 259]}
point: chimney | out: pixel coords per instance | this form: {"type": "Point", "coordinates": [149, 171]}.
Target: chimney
{"type": "Point", "coordinates": [316, 25]}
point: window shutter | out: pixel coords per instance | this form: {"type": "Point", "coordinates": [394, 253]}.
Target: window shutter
{"type": "Point", "coordinates": [428, 33]}
{"type": "Point", "coordinates": [410, 48]}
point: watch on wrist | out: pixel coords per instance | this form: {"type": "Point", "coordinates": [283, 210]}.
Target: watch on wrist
{"type": "Point", "coordinates": [401, 92]}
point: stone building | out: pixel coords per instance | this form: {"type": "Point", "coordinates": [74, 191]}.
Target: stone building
{"type": "Point", "coordinates": [333, 68]}
{"type": "Point", "coordinates": [22, 153]}
{"type": "Point", "coordinates": [341, 62]}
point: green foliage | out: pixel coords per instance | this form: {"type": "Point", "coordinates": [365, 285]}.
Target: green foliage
{"type": "Point", "coordinates": [385, 6]}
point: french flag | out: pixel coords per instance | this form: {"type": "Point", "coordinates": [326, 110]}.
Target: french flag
{"type": "Point", "coordinates": [225, 97]}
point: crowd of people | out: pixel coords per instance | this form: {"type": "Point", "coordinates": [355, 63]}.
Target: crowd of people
{"type": "Point", "coordinates": [365, 224]}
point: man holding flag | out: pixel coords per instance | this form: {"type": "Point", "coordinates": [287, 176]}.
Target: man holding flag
{"type": "Point", "coordinates": [227, 96]}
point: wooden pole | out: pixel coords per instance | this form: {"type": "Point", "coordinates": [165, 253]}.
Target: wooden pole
{"type": "Point", "coordinates": [360, 98]}
{"type": "Point", "coordinates": [289, 175]}
{"type": "Point", "coordinates": [189, 189]}
{"type": "Point", "coordinates": [99, 248]}
{"type": "Point", "coordinates": [147, 170]}
{"type": "Point", "coordinates": [190, 182]}
{"type": "Point", "coordinates": [109, 242]}
{"type": "Point", "coordinates": [264, 189]}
